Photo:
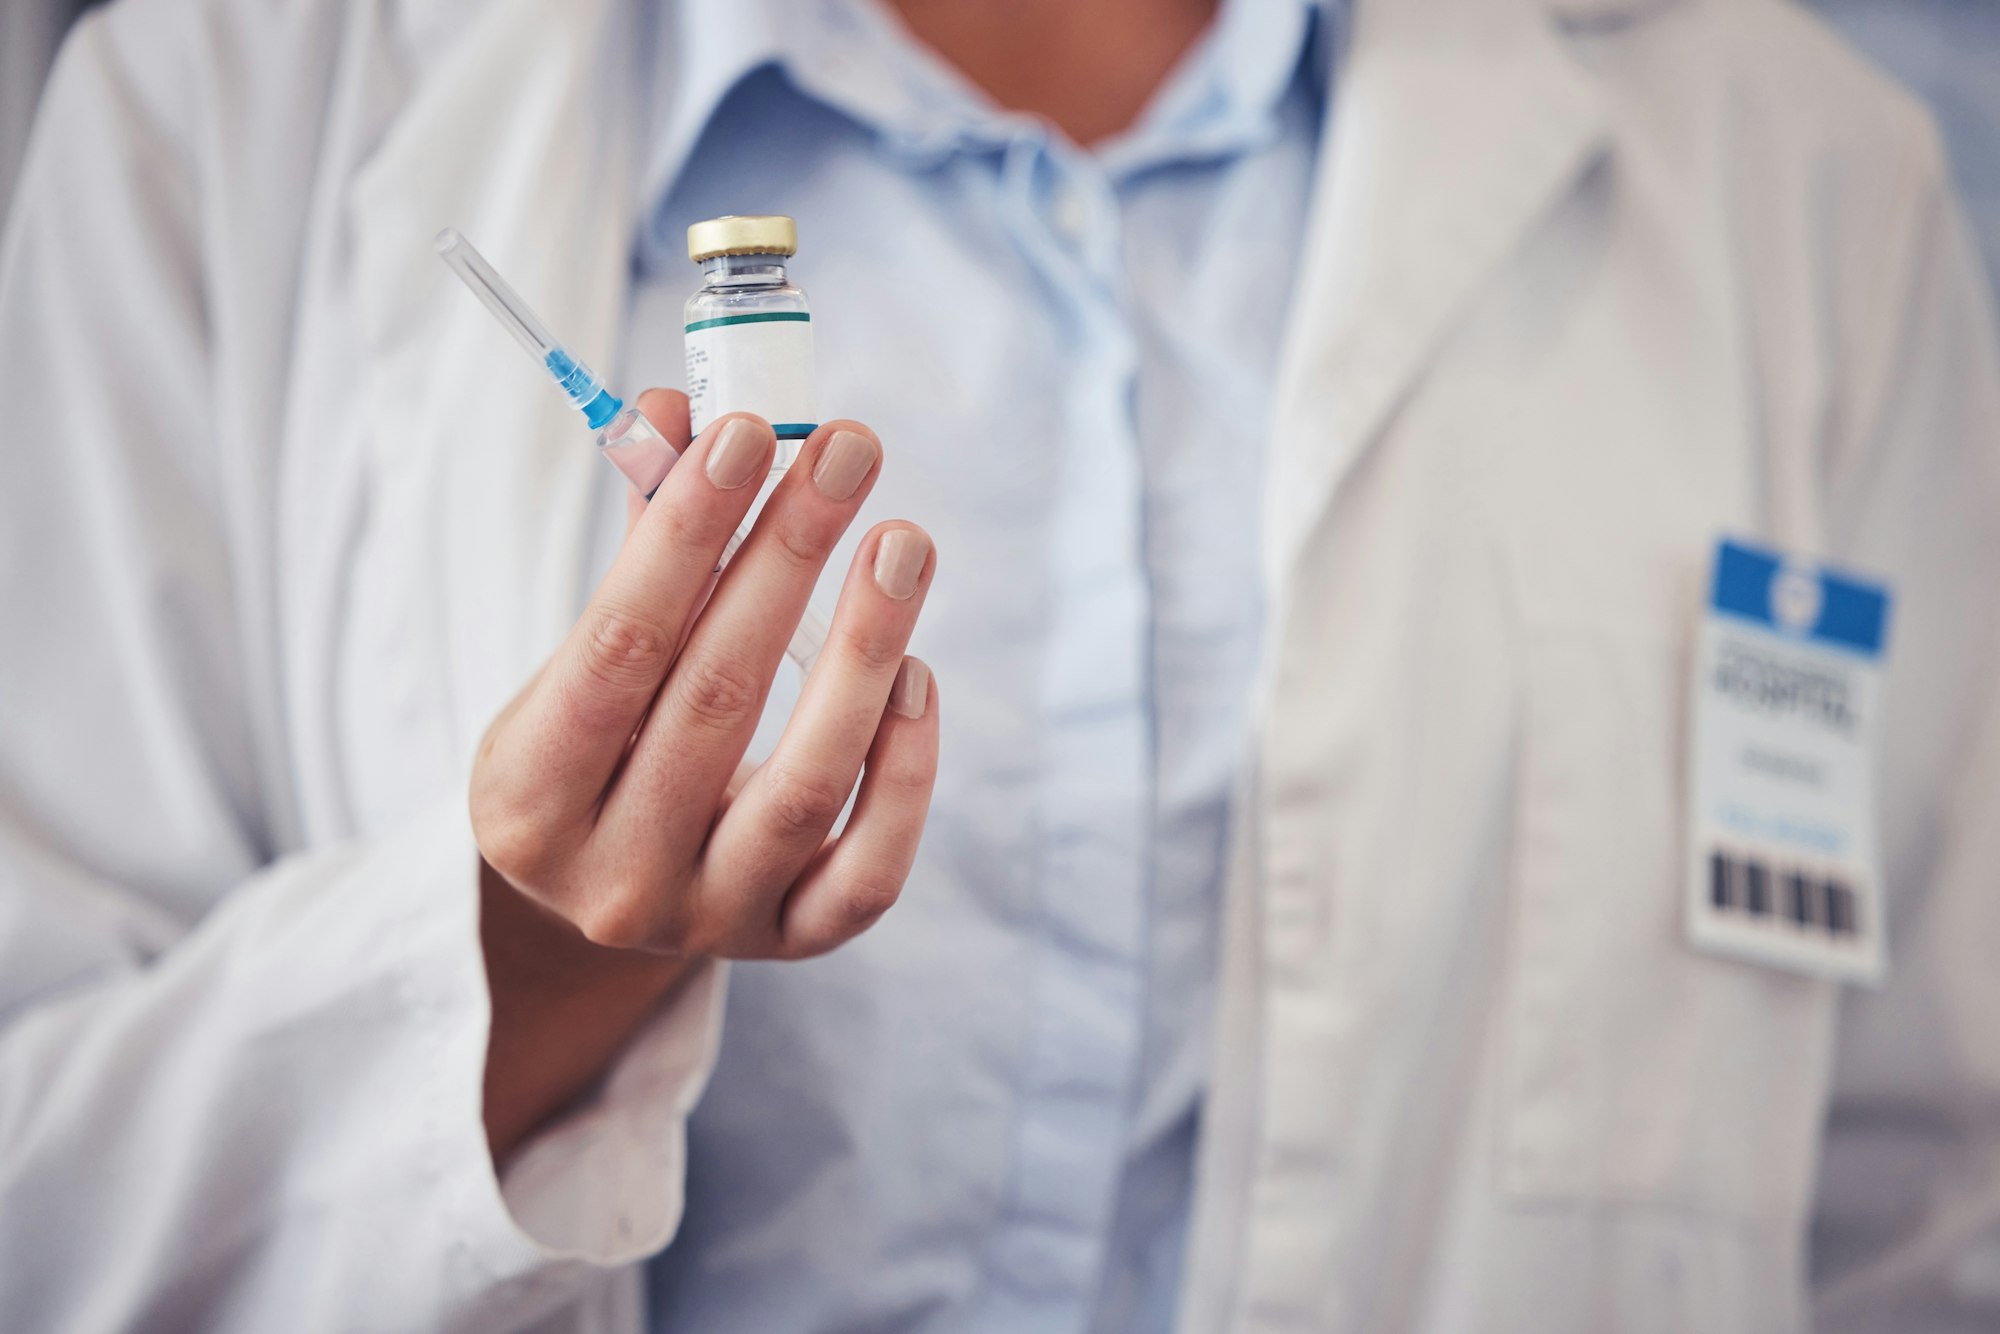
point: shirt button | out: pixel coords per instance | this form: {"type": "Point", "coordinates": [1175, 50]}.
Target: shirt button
{"type": "Point", "coordinates": [1069, 213]}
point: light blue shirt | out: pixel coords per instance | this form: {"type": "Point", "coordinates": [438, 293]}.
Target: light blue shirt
{"type": "Point", "coordinates": [982, 1114]}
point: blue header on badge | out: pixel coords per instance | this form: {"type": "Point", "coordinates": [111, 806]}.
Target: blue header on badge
{"type": "Point", "coordinates": [1818, 603]}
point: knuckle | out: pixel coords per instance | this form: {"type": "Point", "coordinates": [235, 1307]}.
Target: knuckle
{"type": "Point", "coordinates": [878, 653]}
{"type": "Point", "coordinates": [866, 893]}
{"type": "Point", "coordinates": [718, 692]}
{"type": "Point", "coordinates": [511, 845]}
{"type": "Point", "coordinates": [618, 919]}
{"type": "Point", "coordinates": [489, 751]}
{"type": "Point", "coordinates": [802, 803]}
{"type": "Point", "coordinates": [708, 936]}
{"type": "Point", "coordinates": [695, 538]}
{"type": "Point", "coordinates": [626, 650]}
{"type": "Point", "coordinates": [800, 548]}
{"type": "Point", "coordinates": [906, 775]}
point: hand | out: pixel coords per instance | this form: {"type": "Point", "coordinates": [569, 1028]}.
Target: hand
{"type": "Point", "coordinates": [621, 841]}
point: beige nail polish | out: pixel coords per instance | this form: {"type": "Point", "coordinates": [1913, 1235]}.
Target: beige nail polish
{"type": "Point", "coordinates": [736, 456]}
{"type": "Point", "coordinates": [911, 694]}
{"type": "Point", "coordinates": [843, 463]}
{"type": "Point", "coordinates": [899, 560]}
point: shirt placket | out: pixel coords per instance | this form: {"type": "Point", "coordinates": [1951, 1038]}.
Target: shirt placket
{"type": "Point", "coordinates": [1086, 1031]}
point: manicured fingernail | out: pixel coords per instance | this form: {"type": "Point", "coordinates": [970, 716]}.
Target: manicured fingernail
{"type": "Point", "coordinates": [736, 456]}
{"type": "Point", "coordinates": [912, 691]}
{"type": "Point", "coordinates": [899, 560]}
{"type": "Point", "coordinates": [843, 463]}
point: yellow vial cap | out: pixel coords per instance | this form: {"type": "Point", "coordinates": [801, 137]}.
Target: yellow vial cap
{"type": "Point", "coordinates": [763, 234]}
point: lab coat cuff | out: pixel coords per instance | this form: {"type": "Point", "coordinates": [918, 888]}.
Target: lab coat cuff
{"type": "Point", "coordinates": [600, 1187]}
{"type": "Point", "coordinates": [605, 1183]}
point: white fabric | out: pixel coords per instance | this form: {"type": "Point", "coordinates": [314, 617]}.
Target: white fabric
{"type": "Point", "coordinates": [29, 33]}
{"type": "Point", "coordinates": [237, 1103]}
{"type": "Point", "coordinates": [277, 541]}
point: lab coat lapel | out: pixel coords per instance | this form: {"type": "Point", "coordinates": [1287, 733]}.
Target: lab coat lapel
{"type": "Point", "coordinates": [1455, 126]}
{"type": "Point", "coordinates": [481, 470]}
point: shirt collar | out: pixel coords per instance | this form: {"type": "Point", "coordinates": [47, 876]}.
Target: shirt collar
{"type": "Point", "coordinates": [854, 56]}
{"type": "Point", "coordinates": [1226, 95]}
{"type": "Point", "coordinates": [703, 50]}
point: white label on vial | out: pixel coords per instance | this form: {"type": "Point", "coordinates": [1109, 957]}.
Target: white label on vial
{"type": "Point", "coordinates": [760, 363]}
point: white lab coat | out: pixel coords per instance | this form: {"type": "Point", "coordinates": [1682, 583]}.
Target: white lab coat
{"type": "Point", "coordinates": [1586, 286]}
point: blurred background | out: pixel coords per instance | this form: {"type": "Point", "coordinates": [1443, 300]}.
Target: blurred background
{"type": "Point", "coordinates": [1947, 51]}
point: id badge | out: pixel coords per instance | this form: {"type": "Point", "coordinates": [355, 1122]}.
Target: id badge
{"type": "Point", "coordinates": [1784, 868]}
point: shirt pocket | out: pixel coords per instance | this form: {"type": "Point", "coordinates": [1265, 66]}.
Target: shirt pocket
{"type": "Point", "coordinates": [1637, 1070]}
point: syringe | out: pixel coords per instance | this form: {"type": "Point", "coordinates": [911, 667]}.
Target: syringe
{"type": "Point", "coordinates": [624, 436]}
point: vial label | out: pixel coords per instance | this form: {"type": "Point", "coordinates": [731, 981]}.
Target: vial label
{"type": "Point", "coordinates": [761, 363]}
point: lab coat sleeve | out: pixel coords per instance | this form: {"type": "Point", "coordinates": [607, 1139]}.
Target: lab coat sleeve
{"type": "Point", "coordinates": [239, 1089]}
{"type": "Point", "coordinates": [1907, 1235]}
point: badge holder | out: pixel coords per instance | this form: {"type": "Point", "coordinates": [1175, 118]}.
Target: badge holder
{"type": "Point", "coordinates": [1784, 868]}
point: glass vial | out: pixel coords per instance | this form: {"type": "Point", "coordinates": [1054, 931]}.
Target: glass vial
{"type": "Point", "coordinates": [749, 331]}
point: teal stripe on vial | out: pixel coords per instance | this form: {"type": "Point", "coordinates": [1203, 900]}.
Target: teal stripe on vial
{"type": "Point", "coordinates": [765, 317]}
{"type": "Point", "coordinates": [794, 430]}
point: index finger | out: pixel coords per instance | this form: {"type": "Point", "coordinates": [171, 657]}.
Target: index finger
{"type": "Point", "coordinates": [582, 710]}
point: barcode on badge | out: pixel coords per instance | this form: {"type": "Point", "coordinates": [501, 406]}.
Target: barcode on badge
{"type": "Point", "coordinates": [1795, 896]}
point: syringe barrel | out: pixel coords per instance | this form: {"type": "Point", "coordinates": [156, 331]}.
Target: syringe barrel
{"type": "Point", "coordinates": [633, 447]}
